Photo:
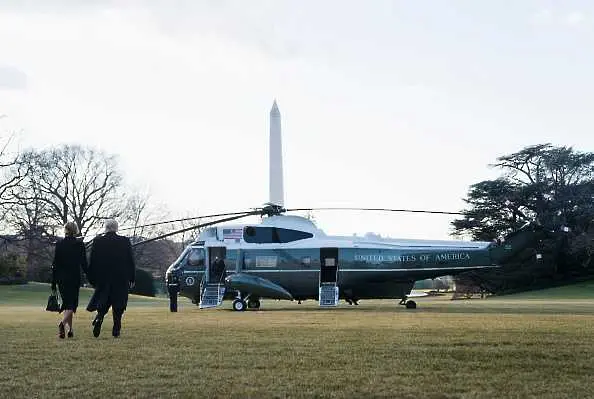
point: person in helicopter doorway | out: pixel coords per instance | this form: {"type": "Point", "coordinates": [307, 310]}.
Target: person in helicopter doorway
{"type": "Point", "coordinates": [112, 272]}
{"type": "Point", "coordinates": [218, 268]}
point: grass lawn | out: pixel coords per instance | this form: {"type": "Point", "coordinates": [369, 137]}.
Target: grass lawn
{"type": "Point", "coordinates": [583, 290]}
{"type": "Point", "coordinates": [497, 347]}
{"type": "Point", "coordinates": [37, 293]}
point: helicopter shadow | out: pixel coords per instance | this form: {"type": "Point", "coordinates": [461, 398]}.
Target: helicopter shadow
{"type": "Point", "coordinates": [449, 308]}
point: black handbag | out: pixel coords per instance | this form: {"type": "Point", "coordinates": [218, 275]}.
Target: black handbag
{"type": "Point", "coordinates": [52, 303]}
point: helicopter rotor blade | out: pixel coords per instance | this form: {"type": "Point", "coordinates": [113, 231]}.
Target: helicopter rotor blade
{"type": "Point", "coordinates": [228, 219]}
{"type": "Point", "coordinates": [260, 210]}
{"type": "Point", "coordinates": [173, 221]}
{"type": "Point", "coordinates": [267, 210]}
{"type": "Point", "coordinates": [182, 220]}
{"type": "Point", "coordinates": [374, 209]}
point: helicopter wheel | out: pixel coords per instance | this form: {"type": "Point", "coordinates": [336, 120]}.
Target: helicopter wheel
{"type": "Point", "coordinates": [239, 305]}
{"type": "Point", "coordinates": [411, 305]}
{"type": "Point", "coordinates": [253, 304]}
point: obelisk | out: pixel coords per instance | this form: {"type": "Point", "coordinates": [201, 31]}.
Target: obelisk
{"type": "Point", "coordinates": [277, 196]}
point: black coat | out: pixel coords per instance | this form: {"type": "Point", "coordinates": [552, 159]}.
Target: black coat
{"type": "Point", "coordinates": [70, 257]}
{"type": "Point", "coordinates": [111, 270]}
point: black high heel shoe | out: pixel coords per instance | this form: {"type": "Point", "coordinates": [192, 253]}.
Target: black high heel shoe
{"type": "Point", "coordinates": [97, 326]}
{"type": "Point", "coordinates": [61, 331]}
{"type": "Point", "coordinates": [70, 334]}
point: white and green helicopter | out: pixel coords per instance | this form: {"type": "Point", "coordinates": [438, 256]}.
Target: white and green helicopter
{"type": "Point", "coordinates": [288, 257]}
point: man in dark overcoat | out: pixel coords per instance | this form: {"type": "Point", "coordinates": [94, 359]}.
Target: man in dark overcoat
{"type": "Point", "coordinates": [112, 273]}
{"type": "Point", "coordinates": [218, 269]}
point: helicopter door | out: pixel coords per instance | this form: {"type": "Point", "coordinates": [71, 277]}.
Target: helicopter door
{"type": "Point", "coordinates": [212, 290]}
{"type": "Point", "coordinates": [216, 270]}
{"type": "Point", "coordinates": [328, 277]}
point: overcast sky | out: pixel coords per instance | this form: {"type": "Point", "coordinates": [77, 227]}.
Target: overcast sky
{"type": "Point", "coordinates": [384, 103]}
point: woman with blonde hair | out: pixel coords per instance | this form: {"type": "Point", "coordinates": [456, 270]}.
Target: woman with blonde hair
{"type": "Point", "coordinates": [69, 258]}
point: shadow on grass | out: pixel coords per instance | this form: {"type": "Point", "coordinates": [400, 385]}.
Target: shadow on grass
{"type": "Point", "coordinates": [457, 307]}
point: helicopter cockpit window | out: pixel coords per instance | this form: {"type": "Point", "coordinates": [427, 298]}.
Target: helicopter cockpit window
{"type": "Point", "coordinates": [211, 232]}
{"type": "Point", "coordinates": [196, 257]}
{"type": "Point", "coordinates": [273, 235]}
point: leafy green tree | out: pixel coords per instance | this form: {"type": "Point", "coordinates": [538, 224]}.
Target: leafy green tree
{"type": "Point", "coordinates": [553, 186]}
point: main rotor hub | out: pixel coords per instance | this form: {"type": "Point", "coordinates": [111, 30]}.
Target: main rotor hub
{"type": "Point", "coordinates": [271, 210]}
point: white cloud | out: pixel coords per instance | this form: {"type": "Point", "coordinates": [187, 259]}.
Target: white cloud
{"type": "Point", "coordinates": [542, 17]}
{"type": "Point", "coordinates": [559, 18]}
{"type": "Point", "coordinates": [574, 19]}
{"type": "Point", "coordinates": [12, 78]}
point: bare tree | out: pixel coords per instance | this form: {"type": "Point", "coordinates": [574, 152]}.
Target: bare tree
{"type": "Point", "coordinates": [72, 183]}
{"type": "Point", "coordinates": [61, 184]}
{"type": "Point", "coordinates": [138, 215]}
{"type": "Point", "coordinates": [142, 219]}
{"type": "Point", "coordinates": [12, 172]}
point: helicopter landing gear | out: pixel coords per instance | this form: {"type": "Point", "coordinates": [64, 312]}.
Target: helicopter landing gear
{"type": "Point", "coordinates": [239, 305]}
{"type": "Point", "coordinates": [253, 304]}
{"type": "Point", "coordinates": [352, 301]}
{"type": "Point", "coordinates": [408, 304]}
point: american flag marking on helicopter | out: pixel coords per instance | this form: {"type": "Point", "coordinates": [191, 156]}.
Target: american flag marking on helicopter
{"type": "Point", "coordinates": [232, 234]}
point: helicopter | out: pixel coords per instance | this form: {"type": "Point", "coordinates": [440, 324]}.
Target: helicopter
{"type": "Point", "coordinates": [287, 257]}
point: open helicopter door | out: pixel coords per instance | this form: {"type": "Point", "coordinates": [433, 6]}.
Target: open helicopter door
{"type": "Point", "coordinates": [328, 277]}
{"type": "Point", "coordinates": [212, 289]}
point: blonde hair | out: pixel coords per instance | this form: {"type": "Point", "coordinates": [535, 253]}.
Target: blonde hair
{"type": "Point", "coordinates": [111, 226]}
{"type": "Point", "coordinates": [70, 229]}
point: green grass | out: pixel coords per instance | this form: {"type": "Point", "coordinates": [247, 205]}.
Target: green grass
{"type": "Point", "coordinates": [33, 293]}
{"type": "Point", "coordinates": [445, 349]}
{"type": "Point", "coordinates": [583, 290]}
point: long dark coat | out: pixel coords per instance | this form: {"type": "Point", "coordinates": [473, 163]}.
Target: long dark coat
{"type": "Point", "coordinates": [70, 257]}
{"type": "Point", "coordinates": [111, 270]}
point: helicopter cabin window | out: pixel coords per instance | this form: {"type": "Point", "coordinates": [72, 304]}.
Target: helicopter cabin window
{"type": "Point", "coordinates": [196, 257]}
{"type": "Point", "coordinates": [330, 262]}
{"type": "Point", "coordinates": [266, 261]}
{"type": "Point", "coordinates": [273, 235]}
{"type": "Point", "coordinates": [306, 261]}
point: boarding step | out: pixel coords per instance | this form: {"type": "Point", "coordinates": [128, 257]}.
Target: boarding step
{"type": "Point", "coordinates": [212, 295]}
{"type": "Point", "coordinates": [328, 295]}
